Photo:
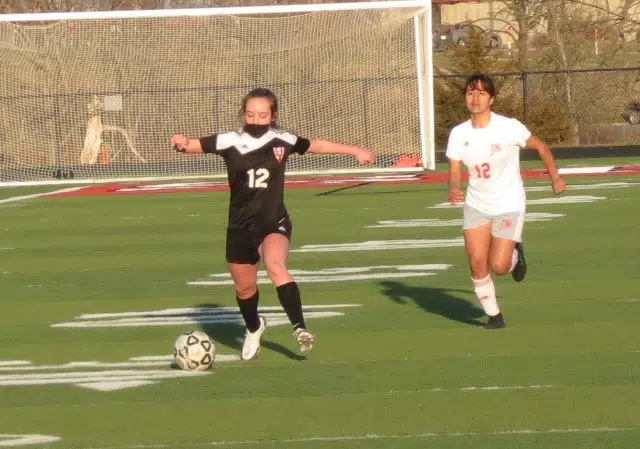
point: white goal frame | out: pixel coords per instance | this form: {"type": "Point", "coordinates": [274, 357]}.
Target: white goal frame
{"type": "Point", "coordinates": [422, 24]}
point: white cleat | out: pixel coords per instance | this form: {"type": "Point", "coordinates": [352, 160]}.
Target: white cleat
{"type": "Point", "coordinates": [251, 346]}
{"type": "Point", "coordinates": [304, 339]}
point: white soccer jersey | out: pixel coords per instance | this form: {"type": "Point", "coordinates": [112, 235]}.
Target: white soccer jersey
{"type": "Point", "coordinates": [492, 157]}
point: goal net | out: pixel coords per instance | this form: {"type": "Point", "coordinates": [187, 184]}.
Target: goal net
{"type": "Point", "coordinates": [96, 96]}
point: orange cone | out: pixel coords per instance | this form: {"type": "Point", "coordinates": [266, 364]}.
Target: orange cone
{"type": "Point", "coordinates": [406, 161]}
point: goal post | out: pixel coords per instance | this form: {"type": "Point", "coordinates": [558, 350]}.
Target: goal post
{"type": "Point", "coordinates": [95, 96]}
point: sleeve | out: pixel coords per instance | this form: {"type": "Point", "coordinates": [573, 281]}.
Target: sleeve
{"type": "Point", "coordinates": [209, 144]}
{"type": "Point", "coordinates": [521, 133]}
{"type": "Point", "coordinates": [453, 146]}
{"type": "Point", "coordinates": [301, 146]}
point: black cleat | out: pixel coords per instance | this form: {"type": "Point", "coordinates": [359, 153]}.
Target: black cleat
{"type": "Point", "coordinates": [520, 270]}
{"type": "Point", "coordinates": [495, 322]}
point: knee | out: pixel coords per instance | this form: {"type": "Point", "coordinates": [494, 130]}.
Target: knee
{"type": "Point", "coordinates": [245, 290]}
{"type": "Point", "coordinates": [277, 271]}
{"type": "Point", "coordinates": [478, 268]}
{"type": "Point", "coordinates": [499, 267]}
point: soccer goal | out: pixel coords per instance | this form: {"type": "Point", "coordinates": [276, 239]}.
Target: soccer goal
{"type": "Point", "coordinates": [95, 96]}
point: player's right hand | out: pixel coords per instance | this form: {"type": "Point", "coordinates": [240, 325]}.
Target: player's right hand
{"type": "Point", "coordinates": [179, 142]}
{"type": "Point", "coordinates": [455, 196]}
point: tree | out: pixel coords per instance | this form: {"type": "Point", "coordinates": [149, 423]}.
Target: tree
{"type": "Point", "coordinates": [475, 56]}
{"type": "Point", "coordinates": [522, 17]}
{"type": "Point", "coordinates": [557, 14]}
{"type": "Point", "coordinates": [623, 19]}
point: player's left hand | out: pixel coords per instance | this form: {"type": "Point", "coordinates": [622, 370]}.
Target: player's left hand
{"type": "Point", "coordinates": [364, 156]}
{"type": "Point", "coordinates": [558, 185]}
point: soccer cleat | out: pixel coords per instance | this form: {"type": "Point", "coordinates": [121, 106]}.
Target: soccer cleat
{"type": "Point", "coordinates": [520, 270]}
{"type": "Point", "coordinates": [251, 346]}
{"type": "Point", "coordinates": [304, 339]}
{"type": "Point", "coordinates": [495, 322]}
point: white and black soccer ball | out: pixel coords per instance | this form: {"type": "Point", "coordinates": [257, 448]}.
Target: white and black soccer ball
{"type": "Point", "coordinates": [194, 351]}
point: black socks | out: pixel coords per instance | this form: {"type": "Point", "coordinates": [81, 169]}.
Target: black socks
{"type": "Point", "coordinates": [249, 311]}
{"type": "Point", "coordinates": [289, 296]}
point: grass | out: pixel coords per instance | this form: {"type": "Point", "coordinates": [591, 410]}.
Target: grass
{"type": "Point", "coordinates": [406, 369]}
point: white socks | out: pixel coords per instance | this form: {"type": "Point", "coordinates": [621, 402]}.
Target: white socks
{"type": "Point", "coordinates": [486, 293]}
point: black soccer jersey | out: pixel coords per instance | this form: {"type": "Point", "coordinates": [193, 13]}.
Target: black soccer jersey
{"type": "Point", "coordinates": [255, 170]}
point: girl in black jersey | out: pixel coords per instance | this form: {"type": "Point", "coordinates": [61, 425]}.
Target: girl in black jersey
{"type": "Point", "coordinates": [259, 225]}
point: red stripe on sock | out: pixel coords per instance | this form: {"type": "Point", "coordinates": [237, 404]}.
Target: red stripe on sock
{"type": "Point", "coordinates": [482, 283]}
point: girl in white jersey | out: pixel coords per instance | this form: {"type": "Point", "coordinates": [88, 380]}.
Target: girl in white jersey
{"type": "Point", "coordinates": [489, 145]}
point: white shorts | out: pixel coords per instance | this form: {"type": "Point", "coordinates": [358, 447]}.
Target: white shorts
{"type": "Point", "coordinates": [506, 226]}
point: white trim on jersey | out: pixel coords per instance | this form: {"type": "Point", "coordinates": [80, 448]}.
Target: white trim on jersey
{"type": "Point", "coordinates": [284, 135]}
{"type": "Point", "coordinates": [245, 143]}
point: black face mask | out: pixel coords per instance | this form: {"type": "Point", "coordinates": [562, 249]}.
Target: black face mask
{"type": "Point", "coordinates": [256, 131]}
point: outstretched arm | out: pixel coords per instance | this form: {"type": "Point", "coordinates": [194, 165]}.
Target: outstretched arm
{"type": "Point", "coordinates": [185, 145]}
{"type": "Point", "coordinates": [363, 155]}
{"type": "Point", "coordinates": [557, 183]}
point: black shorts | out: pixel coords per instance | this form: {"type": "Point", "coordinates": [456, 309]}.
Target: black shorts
{"type": "Point", "coordinates": [243, 244]}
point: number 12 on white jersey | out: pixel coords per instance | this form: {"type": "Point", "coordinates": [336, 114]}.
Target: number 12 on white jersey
{"type": "Point", "coordinates": [482, 171]}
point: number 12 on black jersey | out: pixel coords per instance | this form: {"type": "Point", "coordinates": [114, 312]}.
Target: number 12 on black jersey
{"type": "Point", "coordinates": [258, 178]}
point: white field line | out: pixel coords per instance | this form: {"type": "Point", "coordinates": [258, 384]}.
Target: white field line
{"type": "Point", "coordinates": [14, 363]}
{"type": "Point", "coordinates": [203, 311]}
{"type": "Point", "coordinates": [492, 388]}
{"type": "Point", "coordinates": [561, 199]}
{"type": "Point", "coordinates": [76, 377]}
{"type": "Point", "coordinates": [174, 317]}
{"type": "Point", "coordinates": [14, 199]}
{"type": "Point", "coordinates": [591, 186]}
{"type": "Point", "coordinates": [601, 185]}
{"type": "Point", "coordinates": [381, 245]}
{"type": "Point", "coordinates": [10, 440]}
{"type": "Point", "coordinates": [373, 437]}
{"type": "Point", "coordinates": [133, 363]}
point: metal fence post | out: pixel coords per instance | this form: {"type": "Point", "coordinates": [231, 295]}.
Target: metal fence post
{"type": "Point", "coordinates": [365, 111]}
{"type": "Point", "coordinates": [524, 97]}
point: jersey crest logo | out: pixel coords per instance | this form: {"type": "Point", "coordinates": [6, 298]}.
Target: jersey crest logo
{"type": "Point", "coordinates": [278, 152]}
{"type": "Point", "coordinates": [495, 148]}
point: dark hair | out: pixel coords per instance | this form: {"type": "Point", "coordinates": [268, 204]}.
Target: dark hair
{"type": "Point", "coordinates": [262, 92]}
{"type": "Point", "coordinates": [480, 80]}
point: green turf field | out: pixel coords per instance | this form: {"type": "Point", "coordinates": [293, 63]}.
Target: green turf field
{"type": "Point", "coordinates": [399, 362]}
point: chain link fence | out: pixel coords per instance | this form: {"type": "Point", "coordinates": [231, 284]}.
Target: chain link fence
{"type": "Point", "coordinates": [565, 108]}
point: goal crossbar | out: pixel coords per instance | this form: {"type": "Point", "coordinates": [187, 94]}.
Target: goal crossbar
{"type": "Point", "coordinates": [221, 11]}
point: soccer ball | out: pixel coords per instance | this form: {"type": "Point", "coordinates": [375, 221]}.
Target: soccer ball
{"type": "Point", "coordinates": [194, 351]}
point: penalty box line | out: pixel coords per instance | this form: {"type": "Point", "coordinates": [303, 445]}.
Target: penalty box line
{"type": "Point", "coordinates": [374, 436]}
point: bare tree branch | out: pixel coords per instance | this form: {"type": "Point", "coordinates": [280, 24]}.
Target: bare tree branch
{"type": "Point", "coordinates": [623, 14]}
{"type": "Point", "coordinates": [557, 13]}
{"type": "Point", "coordinates": [527, 16]}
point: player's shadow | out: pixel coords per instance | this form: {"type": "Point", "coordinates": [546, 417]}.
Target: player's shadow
{"type": "Point", "coordinates": [437, 301]}
{"type": "Point", "coordinates": [349, 190]}
{"type": "Point", "coordinates": [221, 324]}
